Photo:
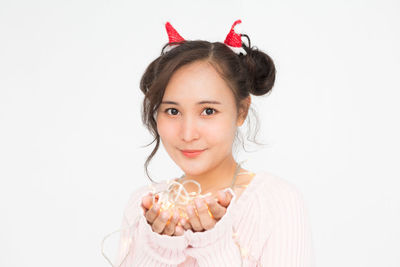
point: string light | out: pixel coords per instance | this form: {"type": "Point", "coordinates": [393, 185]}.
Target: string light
{"type": "Point", "coordinates": [175, 197]}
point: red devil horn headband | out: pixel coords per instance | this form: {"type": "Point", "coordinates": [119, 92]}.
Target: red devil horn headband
{"type": "Point", "coordinates": [233, 39]}
{"type": "Point", "coordinates": [173, 35]}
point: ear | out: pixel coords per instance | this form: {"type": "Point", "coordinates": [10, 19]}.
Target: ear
{"type": "Point", "coordinates": [243, 110]}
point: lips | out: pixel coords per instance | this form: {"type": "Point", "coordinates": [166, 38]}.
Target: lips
{"type": "Point", "coordinates": [192, 153]}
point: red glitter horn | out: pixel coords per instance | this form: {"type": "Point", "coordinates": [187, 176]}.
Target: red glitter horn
{"type": "Point", "coordinates": [233, 39]}
{"type": "Point", "coordinates": [173, 35]}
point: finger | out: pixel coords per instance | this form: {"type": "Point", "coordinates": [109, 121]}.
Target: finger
{"type": "Point", "coordinates": [170, 227]}
{"type": "Point", "coordinates": [224, 198]}
{"type": "Point", "coordinates": [147, 201]}
{"type": "Point", "coordinates": [207, 222]}
{"type": "Point", "coordinates": [152, 214]}
{"type": "Point", "coordinates": [178, 230]}
{"type": "Point", "coordinates": [216, 209]}
{"type": "Point", "coordinates": [185, 224]}
{"type": "Point", "coordinates": [193, 218]}
{"type": "Point", "coordinates": [160, 222]}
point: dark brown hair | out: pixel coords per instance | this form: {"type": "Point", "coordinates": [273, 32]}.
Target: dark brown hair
{"type": "Point", "coordinates": [252, 73]}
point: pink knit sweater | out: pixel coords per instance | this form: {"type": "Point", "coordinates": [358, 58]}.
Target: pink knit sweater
{"type": "Point", "coordinates": [266, 226]}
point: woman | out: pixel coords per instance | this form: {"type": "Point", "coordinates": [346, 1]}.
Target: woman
{"type": "Point", "coordinates": [196, 96]}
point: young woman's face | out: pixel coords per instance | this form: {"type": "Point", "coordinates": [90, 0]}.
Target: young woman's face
{"type": "Point", "coordinates": [197, 112]}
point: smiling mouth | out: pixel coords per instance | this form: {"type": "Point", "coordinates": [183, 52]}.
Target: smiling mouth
{"type": "Point", "coordinates": [191, 153]}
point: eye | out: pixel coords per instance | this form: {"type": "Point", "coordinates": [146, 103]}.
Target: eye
{"type": "Point", "coordinates": [174, 111]}
{"type": "Point", "coordinates": [210, 109]}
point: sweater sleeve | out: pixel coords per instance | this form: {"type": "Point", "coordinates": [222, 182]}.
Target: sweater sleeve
{"type": "Point", "coordinates": [140, 246]}
{"type": "Point", "coordinates": [216, 247]}
{"type": "Point", "coordinates": [290, 241]}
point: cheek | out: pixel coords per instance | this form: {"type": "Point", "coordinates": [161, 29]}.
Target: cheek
{"type": "Point", "coordinates": [165, 130]}
{"type": "Point", "coordinates": [220, 132]}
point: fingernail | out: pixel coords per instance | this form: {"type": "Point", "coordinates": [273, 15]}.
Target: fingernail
{"type": "Point", "coordinates": [190, 210]}
{"type": "Point", "coordinates": [209, 199]}
{"type": "Point", "coordinates": [178, 228]}
{"type": "Point", "coordinates": [199, 202]}
{"type": "Point", "coordinates": [157, 206]}
{"type": "Point", "coordinates": [165, 215]}
{"type": "Point", "coordinates": [183, 221]}
{"type": "Point", "coordinates": [221, 194]}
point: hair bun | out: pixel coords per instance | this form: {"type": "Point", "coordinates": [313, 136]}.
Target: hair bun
{"type": "Point", "coordinates": [260, 71]}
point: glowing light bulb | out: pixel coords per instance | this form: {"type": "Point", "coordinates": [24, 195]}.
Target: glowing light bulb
{"type": "Point", "coordinates": [244, 252]}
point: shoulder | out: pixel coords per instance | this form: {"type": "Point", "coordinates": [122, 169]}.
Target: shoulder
{"type": "Point", "coordinates": [273, 197]}
{"type": "Point", "coordinates": [281, 199]}
{"type": "Point", "coordinates": [276, 187]}
{"type": "Point", "coordinates": [277, 216]}
{"type": "Point", "coordinates": [271, 200]}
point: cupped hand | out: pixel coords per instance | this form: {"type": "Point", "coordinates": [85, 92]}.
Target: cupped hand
{"type": "Point", "coordinates": [197, 222]}
{"type": "Point", "coordinates": [202, 221]}
{"type": "Point", "coordinates": [162, 223]}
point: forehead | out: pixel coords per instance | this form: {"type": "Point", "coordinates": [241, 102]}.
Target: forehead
{"type": "Point", "coordinates": [198, 81]}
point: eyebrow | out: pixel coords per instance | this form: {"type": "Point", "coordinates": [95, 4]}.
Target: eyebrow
{"type": "Point", "coordinates": [198, 103]}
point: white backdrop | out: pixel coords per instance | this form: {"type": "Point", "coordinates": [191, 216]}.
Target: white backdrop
{"type": "Point", "coordinates": [71, 133]}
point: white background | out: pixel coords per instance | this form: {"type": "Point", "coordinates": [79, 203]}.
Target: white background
{"type": "Point", "coordinates": [71, 132]}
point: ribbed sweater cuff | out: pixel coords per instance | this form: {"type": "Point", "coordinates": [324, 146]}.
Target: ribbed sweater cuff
{"type": "Point", "coordinates": [217, 254]}
{"type": "Point", "coordinates": [216, 247]}
{"type": "Point", "coordinates": [164, 248]}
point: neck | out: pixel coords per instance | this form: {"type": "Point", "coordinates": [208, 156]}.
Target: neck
{"type": "Point", "coordinates": [216, 178]}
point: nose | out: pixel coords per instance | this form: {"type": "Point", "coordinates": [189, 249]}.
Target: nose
{"type": "Point", "coordinates": [189, 129]}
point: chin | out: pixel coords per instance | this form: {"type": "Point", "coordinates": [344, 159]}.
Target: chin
{"type": "Point", "coordinates": [193, 169]}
